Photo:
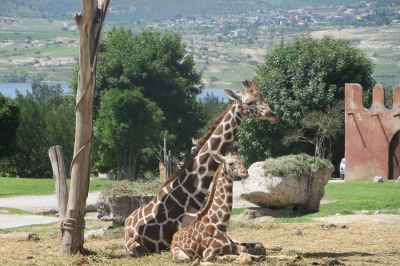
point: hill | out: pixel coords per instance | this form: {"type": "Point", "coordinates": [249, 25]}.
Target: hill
{"type": "Point", "coordinates": [127, 11]}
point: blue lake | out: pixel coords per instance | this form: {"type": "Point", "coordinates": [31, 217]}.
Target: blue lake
{"type": "Point", "coordinates": [8, 89]}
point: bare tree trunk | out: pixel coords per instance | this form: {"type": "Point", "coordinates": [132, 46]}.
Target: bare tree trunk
{"type": "Point", "coordinates": [60, 179]}
{"type": "Point", "coordinates": [167, 159]}
{"type": "Point", "coordinates": [90, 22]}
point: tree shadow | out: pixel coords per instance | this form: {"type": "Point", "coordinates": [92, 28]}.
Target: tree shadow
{"type": "Point", "coordinates": [335, 255]}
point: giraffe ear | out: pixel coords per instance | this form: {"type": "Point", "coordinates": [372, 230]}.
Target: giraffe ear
{"type": "Point", "coordinates": [218, 158]}
{"type": "Point", "coordinates": [233, 95]}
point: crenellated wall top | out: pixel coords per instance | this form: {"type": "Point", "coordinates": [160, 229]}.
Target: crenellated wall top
{"type": "Point", "coordinates": [354, 99]}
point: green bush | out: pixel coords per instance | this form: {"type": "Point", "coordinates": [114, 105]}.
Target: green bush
{"type": "Point", "coordinates": [300, 164]}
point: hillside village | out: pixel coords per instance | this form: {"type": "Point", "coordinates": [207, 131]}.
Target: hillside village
{"type": "Point", "coordinates": [236, 42]}
{"type": "Point", "coordinates": [362, 14]}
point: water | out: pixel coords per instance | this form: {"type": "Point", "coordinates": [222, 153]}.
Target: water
{"type": "Point", "coordinates": [216, 92]}
{"type": "Point", "coordinates": [8, 89]}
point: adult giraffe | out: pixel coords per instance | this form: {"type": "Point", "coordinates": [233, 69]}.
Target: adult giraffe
{"type": "Point", "coordinates": [149, 229]}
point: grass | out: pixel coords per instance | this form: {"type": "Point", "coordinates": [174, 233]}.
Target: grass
{"type": "Point", "coordinates": [300, 164]}
{"type": "Point", "coordinates": [351, 197]}
{"type": "Point", "coordinates": [360, 195]}
{"type": "Point", "coordinates": [127, 188]}
{"type": "Point", "coordinates": [318, 244]}
{"type": "Point", "coordinates": [38, 186]}
{"type": "Point", "coordinates": [13, 211]}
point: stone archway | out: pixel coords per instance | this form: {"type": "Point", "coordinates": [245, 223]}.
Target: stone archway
{"type": "Point", "coordinates": [394, 157]}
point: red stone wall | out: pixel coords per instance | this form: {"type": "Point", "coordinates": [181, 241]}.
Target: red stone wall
{"type": "Point", "coordinates": [368, 132]}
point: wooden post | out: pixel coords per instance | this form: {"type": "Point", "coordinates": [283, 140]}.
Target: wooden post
{"type": "Point", "coordinates": [90, 22]}
{"type": "Point", "coordinates": [60, 179]}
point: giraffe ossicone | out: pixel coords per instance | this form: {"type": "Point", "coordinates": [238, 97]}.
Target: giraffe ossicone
{"type": "Point", "coordinates": [149, 229]}
{"type": "Point", "coordinates": [205, 238]}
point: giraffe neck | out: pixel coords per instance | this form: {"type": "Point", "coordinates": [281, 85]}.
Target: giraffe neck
{"type": "Point", "coordinates": [218, 209]}
{"type": "Point", "coordinates": [189, 189]}
{"type": "Point", "coordinates": [219, 141]}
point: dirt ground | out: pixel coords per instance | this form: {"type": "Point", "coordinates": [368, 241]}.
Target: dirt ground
{"type": "Point", "coordinates": [358, 239]}
{"type": "Point", "coordinates": [344, 240]}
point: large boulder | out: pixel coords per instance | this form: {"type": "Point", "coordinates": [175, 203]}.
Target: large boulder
{"type": "Point", "coordinates": [117, 208]}
{"type": "Point", "coordinates": [295, 181]}
{"type": "Point", "coordinates": [119, 199]}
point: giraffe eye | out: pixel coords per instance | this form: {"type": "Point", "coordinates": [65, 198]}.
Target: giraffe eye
{"type": "Point", "coordinates": [249, 102]}
{"type": "Point", "coordinates": [230, 164]}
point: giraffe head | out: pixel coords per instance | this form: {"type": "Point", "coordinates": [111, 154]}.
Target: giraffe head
{"type": "Point", "coordinates": [252, 103]}
{"type": "Point", "coordinates": [233, 164]}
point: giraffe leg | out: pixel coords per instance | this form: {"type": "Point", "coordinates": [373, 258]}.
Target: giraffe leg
{"type": "Point", "coordinates": [242, 259]}
{"type": "Point", "coordinates": [179, 255]}
{"type": "Point", "coordinates": [253, 248]}
{"type": "Point", "coordinates": [135, 249]}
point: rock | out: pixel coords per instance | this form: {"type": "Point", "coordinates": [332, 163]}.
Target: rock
{"type": "Point", "coordinates": [378, 212]}
{"type": "Point", "coordinates": [117, 208]}
{"type": "Point", "coordinates": [298, 232]}
{"type": "Point", "coordinates": [95, 233]}
{"type": "Point", "coordinates": [254, 213]}
{"type": "Point", "coordinates": [378, 179]}
{"type": "Point", "coordinates": [364, 212]}
{"type": "Point", "coordinates": [295, 189]}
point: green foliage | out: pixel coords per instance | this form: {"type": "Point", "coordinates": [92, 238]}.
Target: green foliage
{"type": "Point", "coordinates": [127, 188]}
{"type": "Point", "coordinates": [158, 66]}
{"type": "Point", "coordinates": [213, 107]}
{"type": "Point", "coordinates": [42, 92]}
{"type": "Point", "coordinates": [300, 165]}
{"type": "Point", "coordinates": [10, 187]}
{"type": "Point", "coordinates": [298, 77]}
{"type": "Point", "coordinates": [325, 127]}
{"type": "Point", "coordinates": [9, 121]}
{"type": "Point", "coordinates": [122, 130]}
{"type": "Point", "coordinates": [41, 126]}
{"type": "Point", "coordinates": [163, 81]}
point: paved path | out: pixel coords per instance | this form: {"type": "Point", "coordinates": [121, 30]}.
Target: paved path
{"type": "Point", "coordinates": [36, 204]}
{"type": "Point", "coordinates": [40, 204]}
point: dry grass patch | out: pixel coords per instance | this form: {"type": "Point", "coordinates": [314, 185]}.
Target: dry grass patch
{"type": "Point", "coordinates": [319, 244]}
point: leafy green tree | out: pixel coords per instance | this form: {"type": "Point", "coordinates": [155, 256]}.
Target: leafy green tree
{"type": "Point", "coordinates": [319, 129]}
{"type": "Point", "coordinates": [127, 124]}
{"type": "Point", "coordinates": [213, 106]}
{"type": "Point", "coordinates": [156, 65]}
{"type": "Point", "coordinates": [159, 67]}
{"type": "Point", "coordinates": [9, 121]}
{"type": "Point", "coordinates": [41, 91]}
{"type": "Point", "coordinates": [41, 126]}
{"type": "Point", "coordinates": [31, 158]}
{"type": "Point", "coordinates": [301, 76]}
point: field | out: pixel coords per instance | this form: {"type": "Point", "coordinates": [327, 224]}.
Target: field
{"type": "Point", "coordinates": [321, 243]}
{"type": "Point", "coordinates": [322, 238]}
{"type": "Point", "coordinates": [42, 50]}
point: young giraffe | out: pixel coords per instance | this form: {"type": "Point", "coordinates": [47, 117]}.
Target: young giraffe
{"type": "Point", "coordinates": [149, 229]}
{"type": "Point", "coordinates": [206, 236]}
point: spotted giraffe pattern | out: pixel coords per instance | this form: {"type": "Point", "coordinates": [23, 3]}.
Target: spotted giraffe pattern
{"type": "Point", "coordinates": [205, 238]}
{"type": "Point", "coordinates": [149, 229]}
